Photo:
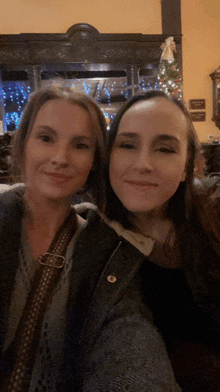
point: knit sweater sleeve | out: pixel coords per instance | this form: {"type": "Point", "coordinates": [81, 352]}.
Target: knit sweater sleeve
{"type": "Point", "coordinates": [128, 354]}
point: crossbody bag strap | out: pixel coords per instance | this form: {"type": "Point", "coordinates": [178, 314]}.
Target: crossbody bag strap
{"type": "Point", "coordinates": [26, 339]}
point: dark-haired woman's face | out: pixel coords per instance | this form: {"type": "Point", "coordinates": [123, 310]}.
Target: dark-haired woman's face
{"type": "Point", "coordinates": [148, 157]}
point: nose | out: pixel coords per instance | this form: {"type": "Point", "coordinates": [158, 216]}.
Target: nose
{"type": "Point", "coordinates": [60, 156]}
{"type": "Point", "coordinates": [143, 162]}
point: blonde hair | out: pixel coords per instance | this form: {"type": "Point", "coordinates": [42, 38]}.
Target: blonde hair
{"type": "Point", "coordinates": [62, 90]}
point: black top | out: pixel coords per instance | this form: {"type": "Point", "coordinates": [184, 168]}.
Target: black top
{"type": "Point", "coordinates": [192, 342]}
{"type": "Point", "coordinates": [176, 314]}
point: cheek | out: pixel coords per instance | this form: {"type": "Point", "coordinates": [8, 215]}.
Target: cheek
{"type": "Point", "coordinates": [117, 164]}
{"type": "Point", "coordinates": [174, 167]}
{"type": "Point", "coordinates": [84, 163]}
{"type": "Point", "coordinates": [171, 181]}
{"type": "Point", "coordinates": [33, 153]}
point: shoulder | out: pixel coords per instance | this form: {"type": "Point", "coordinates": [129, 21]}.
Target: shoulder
{"type": "Point", "coordinates": [11, 204]}
{"type": "Point", "coordinates": [95, 230]}
{"type": "Point", "coordinates": [207, 185]}
{"type": "Point", "coordinates": [199, 242]}
{"type": "Point", "coordinates": [11, 211]}
{"type": "Point", "coordinates": [207, 193]}
{"type": "Point", "coordinates": [85, 209]}
{"type": "Point", "coordinates": [11, 193]}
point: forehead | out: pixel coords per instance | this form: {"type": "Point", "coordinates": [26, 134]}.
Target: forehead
{"type": "Point", "coordinates": [157, 115]}
{"type": "Point", "coordinates": [59, 108]}
{"type": "Point", "coordinates": [64, 117]}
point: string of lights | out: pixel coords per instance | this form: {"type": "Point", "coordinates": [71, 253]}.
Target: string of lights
{"type": "Point", "coordinates": [14, 95]}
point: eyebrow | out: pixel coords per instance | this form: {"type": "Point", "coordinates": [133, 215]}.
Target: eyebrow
{"type": "Point", "coordinates": [46, 128]}
{"type": "Point", "coordinates": [162, 137]}
{"type": "Point", "coordinates": [54, 132]}
{"type": "Point", "coordinates": [128, 134]}
{"type": "Point", "coordinates": [165, 137]}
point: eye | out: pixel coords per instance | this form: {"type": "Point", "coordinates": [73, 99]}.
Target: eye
{"type": "Point", "coordinates": [82, 146]}
{"type": "Point", "coordinates": [46, 138]}
{"type": "Point", "coordinates": [127, 146]}
{"type": "Point", "coordinates": [166, 150]}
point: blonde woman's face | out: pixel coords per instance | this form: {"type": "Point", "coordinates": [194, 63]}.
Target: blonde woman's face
{"type": "Point", "coordinates": [60, 150]}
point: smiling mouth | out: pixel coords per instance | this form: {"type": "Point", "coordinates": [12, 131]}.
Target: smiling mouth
{"type": "Point", "coordinates": [57, 176]}
{"type": "Point", "coordinates": [141, 183]}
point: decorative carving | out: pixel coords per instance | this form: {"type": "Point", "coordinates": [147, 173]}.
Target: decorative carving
{"type": "Point", "coordinates": [115, 54]}
{"type": "Point", "coordinates": [52, 54]}
{"type": "Point", "coordinates": [152, 53]}
{"type": "Point", "coordinates": [84, 47]}
{"type": "Point", "coordinates": [82, 29]}
{"type": "Point", "coordinates": [81, 43]}
{"type": "Point", "coordinates": [83, 38]}
{"type": "Point", "coordinates": [14, 55]}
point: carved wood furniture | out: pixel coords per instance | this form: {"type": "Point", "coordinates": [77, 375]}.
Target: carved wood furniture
{"type": "Point", "coordinates": [81, 47]}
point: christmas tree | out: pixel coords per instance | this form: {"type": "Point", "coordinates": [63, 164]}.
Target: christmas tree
{"type": "Point", "coordinates": [169, 79]}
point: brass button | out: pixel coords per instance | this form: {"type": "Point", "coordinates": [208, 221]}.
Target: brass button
{"type": "Point", "coordinates": [111, 279]}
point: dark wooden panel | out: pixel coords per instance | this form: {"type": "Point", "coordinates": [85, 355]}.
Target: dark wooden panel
{"type": "Point", "coordinates": [171, 17]}
{"type": "Point", "coordinates": [82, 44]}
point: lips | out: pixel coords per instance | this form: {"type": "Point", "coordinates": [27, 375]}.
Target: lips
{"type": "Point", "coordinates": [141, 183]}
{"type": "Point", "coordinates": [58, 177]}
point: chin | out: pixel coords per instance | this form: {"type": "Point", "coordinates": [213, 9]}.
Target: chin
{"type": "Point", "coordinates": [142, 208]}
{"type": "Point", "coordinates": [52, 194]}
{"type": "Point", "coordinates": [138, 209]}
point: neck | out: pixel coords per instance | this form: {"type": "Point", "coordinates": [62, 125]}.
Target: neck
{"type": "Point", "coordinates": [43, 218]}
{"type": "Point", "coordinates": [153, 224]}
{"type": "Point", "coordinates": [144, 221]}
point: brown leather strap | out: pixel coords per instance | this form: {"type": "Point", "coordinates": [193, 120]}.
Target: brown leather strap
{"type": "Point", "coordinates": [28, 332]}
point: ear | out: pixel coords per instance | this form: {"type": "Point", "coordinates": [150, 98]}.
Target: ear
{"type": "Point", "coordinates": [183, 176]}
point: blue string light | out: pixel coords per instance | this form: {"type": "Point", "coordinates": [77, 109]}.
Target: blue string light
{"type": "Point", "coordinates": [14, 96]}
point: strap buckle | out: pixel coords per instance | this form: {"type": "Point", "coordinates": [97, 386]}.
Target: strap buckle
{"type": "Point", "coordinates": [52, 260]}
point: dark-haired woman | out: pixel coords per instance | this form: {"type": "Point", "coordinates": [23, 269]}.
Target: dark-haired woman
{"type": "Point", "coordinates": [154, 200]}
{"type": "Point", "coordinates": [72, 313]}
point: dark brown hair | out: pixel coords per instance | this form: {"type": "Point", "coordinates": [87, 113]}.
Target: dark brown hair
{"type": "Point", "coordinates": [60, 90]}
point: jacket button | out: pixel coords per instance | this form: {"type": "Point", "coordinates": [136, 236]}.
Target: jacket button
{"type": "Point", "coordinates": [111, 279]}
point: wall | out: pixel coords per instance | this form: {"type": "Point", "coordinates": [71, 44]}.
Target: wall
{"type": "Point", "coordinates": [201, 55]}
{"type": "Point", "coordinates": [200, 27]}
{"type": "Point", "coordinates": [56, 16]}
